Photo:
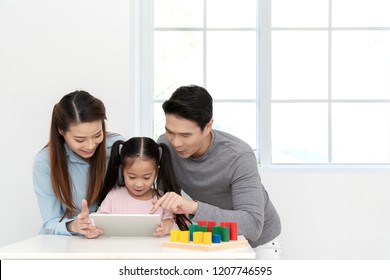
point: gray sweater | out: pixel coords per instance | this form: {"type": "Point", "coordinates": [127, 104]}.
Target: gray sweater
{"type": "Point", "coordinates": [226, 183]}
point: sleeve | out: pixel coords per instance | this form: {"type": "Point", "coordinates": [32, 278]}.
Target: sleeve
{"type": "Point", "coordinates": [167, 215]}
{"type": "Point", "coordinates": [247, 197]}
{"type": "Point", "coordinates": [49, 206]}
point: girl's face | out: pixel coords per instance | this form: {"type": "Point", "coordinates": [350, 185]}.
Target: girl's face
{"type": "Point", "coordinates": [139, 178]}
{"type": "Point", "coordinates": [84, 138]}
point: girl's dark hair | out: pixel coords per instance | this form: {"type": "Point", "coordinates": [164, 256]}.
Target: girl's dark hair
{"type": "Point", "coordinates": [75, 108]}
{"type": "Point", "coordinates": [124, 154]}
{"type": "Point", "coordinates": [193, 103]}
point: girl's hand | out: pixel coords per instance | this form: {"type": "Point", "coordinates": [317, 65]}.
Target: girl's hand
{"type": "Point", "coordinates": [175, 203]}
{"type": "Point", "coordinates": [83, 224]}
{"type": "Point", "coordinates": [164, 228]}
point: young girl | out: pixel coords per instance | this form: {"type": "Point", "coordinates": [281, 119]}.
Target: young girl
{"type": "Point", "coordinates": [69, 170]}
{"type": "Point", "coordinates": [139, 171]}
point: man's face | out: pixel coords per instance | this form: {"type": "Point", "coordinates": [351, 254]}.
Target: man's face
{"type": "Point", "coordinates": [186, 136]}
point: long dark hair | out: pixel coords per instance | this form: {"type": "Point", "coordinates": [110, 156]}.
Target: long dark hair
{"type": "Point", "coordinates": [75, 108]}
{"type": "Point", "coordinates": [124, 154]}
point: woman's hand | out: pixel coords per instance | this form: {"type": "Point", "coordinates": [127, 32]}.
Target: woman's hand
{"type": "Point", "coordinates": [175, 203]}
{"type": "Point", "coordinates": [83, 224]}
{"type": "Point", "coordinates": [164, 228]}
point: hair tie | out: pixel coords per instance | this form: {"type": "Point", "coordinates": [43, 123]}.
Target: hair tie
{"type": "Point", "coordinates": [120, 148]}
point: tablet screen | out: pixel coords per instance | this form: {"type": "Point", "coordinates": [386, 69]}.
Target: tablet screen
{"type": "Point", "coordinates": [126, 224]}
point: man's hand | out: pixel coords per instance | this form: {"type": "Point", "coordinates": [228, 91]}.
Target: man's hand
{"type": "Point", "coordinates": [175, 203]}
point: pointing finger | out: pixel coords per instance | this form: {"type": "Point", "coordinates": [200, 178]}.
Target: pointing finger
{"type": "Point", "coordinates": [84, 206]}
{"type": "Point", "coordinates": [157, 204]}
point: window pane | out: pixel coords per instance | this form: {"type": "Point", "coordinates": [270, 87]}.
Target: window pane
{"type": "Point", "coordinates": [299, 65]}
{"type": "Point", "coordinates": [360, 13]}
{"type": "Point", "coordinates": [361, 65]}
{"type": "Point", "coordinates": [300, 13]}
{"type": "Point", "coordinates": [231, 13]}
{"type": "Point", "coordinates": [178, 13]}
{"type": "Point", "coordinates": [178, 61]}
{"type": "Point", "coordinates": [158, 120]}
{"type": "Point", "coordinates": [237, 119]}
{"type": "Point", "coordinates": [231, 64]}
{"type": "Point", "coordinates": [299, 133]}
{"type": "Point", "coordinates": [361, 133]}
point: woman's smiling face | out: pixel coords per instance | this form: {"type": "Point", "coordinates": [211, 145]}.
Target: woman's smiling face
{"type": "Point", "coordinates": [84, 138]}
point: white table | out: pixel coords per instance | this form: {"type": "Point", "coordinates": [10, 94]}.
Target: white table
{"type": "Point", "coordinates": [76, 247]}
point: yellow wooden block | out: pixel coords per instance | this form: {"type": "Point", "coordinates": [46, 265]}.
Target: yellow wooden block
{"type": "Point", "coordinates": [197, 237]}
{"type": "Point", "coordinates": [184, 236]}
{"type": "Point", "coordinates": [207, 238]}
{"type": "Point", "coordinates": [175, 235]}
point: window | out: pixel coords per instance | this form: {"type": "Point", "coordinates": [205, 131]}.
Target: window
{"type": "Point", "coordinates": [303, 82]}
{"type": "Point", "coordinates": [330, 86]}
{"type": "Point", "coordinates": [213, 44]}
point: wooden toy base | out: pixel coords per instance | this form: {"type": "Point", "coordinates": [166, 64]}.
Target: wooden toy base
{"type": "Point", "coordinates": [209, 248]}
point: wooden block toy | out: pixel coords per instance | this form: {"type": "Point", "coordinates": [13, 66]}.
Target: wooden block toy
{"type": "Point", "coordinates": [233, 231]}
{"type": "Point", "coordinates": [225, 234]}
{"type": "Point", "coordinates": [175, 235]}
{"type": "Point", "coordinates": [202, 228]}
{"type": "Point", "coordinates": [207, 236]}
{"type": "Point", "coordinates": [198, 237]}
{"type": "Point", "coordinates": [225, 224]}
{"type": "Point", "coordinates": [216, 230]}
{"type": "Point", "coordinates": [192, 229]}
{"type": "Point", "coordinates": [216, 238]}
{"type": "Point", "coordinates": [184, 236]}
{"type": "Point", "coordinates": [210, 225]}
{"type": "Point", "coordinates": [236, 244]}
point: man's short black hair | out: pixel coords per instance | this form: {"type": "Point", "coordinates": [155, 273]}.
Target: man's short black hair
{"type": "Point", "coordinates": [191, 102]}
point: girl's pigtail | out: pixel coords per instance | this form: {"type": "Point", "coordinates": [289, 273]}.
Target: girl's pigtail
{"type": "Point", "coordinates": [166, 181]}
{"type": "Point", "coordinates": [166, 174]}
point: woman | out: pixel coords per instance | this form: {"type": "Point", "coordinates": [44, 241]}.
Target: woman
{"type": "Point", "coordinates": [69, 171]}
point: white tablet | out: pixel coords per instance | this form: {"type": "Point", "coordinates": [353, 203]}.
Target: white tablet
{"type": "Point", "coordinates": [126, 224]}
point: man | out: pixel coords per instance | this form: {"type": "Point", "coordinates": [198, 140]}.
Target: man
{"type": "Point", "coordinates": [217, 170]}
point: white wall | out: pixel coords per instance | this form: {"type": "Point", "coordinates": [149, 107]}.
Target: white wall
{"type": "Point", "coordinates": [332, 214]}
{"type": "Point", "coordinates": [50, 48]}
